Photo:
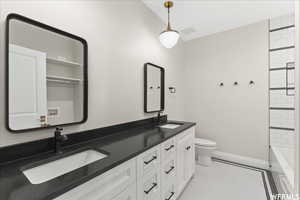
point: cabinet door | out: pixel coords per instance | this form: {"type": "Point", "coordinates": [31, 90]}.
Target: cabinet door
{"type": "Point", "coordinates": [105, 186]}
{"type": "Point", "coordinates": [128, 194]}
{"type": "Point", "coordinates": [181, 163]}
{"type": "Point", "coordinates": [185, 158]}
{"type": "Point", "coordinates": [189, 158]}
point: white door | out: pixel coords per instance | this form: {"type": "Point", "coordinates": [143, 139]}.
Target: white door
{"type": "Point", "coordinates": [27, 88]}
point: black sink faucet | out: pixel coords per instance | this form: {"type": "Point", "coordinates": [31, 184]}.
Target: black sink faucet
{"type": "Point", "coordinates": [158, 117]}
{"type": "Point", "coordinates": [58, 139]}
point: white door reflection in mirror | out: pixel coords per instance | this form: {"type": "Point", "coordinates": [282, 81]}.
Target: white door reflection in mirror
{"type": "Point", "coordinates": [27, 88]}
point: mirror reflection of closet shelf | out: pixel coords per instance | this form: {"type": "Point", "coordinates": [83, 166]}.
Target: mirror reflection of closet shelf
{"type": "Point", "coordinates": [62, 62]}
{"type": "Point", "coordinates": [66, 80]}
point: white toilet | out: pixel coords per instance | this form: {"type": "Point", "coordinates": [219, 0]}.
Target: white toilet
{"type": "Point", "coordinates": [204, 150]}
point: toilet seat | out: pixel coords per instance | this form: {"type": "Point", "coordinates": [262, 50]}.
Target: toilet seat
{"type": "Point", "coordinates": [205, 142]}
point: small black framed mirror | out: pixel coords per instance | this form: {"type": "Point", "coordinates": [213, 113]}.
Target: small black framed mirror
{"type": "Point", "coordinates": [46, 76]}
{"type": "Point", "coordinates": [154, 88]}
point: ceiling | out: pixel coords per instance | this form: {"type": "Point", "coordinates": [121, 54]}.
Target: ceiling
{"type": "Point", "coordinates": [197, 18]}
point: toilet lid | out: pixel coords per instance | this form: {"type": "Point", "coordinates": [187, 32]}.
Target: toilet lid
{"type": "Point", "coordinates": [204, 142]}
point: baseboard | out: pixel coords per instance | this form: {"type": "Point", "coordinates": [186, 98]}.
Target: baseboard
{"type": "Point", "coordinates": [241, 159]}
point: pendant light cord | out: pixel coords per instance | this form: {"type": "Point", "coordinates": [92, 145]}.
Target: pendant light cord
{"type": "Point", "coordinates": [169, 26]}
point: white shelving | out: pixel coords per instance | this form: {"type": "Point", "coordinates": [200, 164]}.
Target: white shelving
{"type": "Point", "coordinates": [61, 79]}
{"type": "Point", "coordinates": [63, 62]}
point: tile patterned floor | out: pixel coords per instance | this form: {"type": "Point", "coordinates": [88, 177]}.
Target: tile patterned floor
{"type": "Point", "coordinates": [228, 181]}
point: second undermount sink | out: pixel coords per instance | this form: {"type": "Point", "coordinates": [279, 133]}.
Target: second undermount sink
{"type": "Point", "coordinates": [50, 170]}
{"type": "Point", "coordinates": [170, 125]}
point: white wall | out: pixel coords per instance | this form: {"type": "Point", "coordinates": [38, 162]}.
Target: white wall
{"type": "Point", "coordinates": [236, 117]}
{"type": "Point", "coordinates": [122, 36]}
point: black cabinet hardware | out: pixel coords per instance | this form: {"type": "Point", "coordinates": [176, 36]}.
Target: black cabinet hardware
{"type": "Point", "coordinates": [169, 148]}
{"type": "Point", "coordinates": [172, 194]}
{"type": "Point", "coordinates": [171, 169]}
{"type": "Point", "coordinates": [188, 147]}
{"type": "Point", "coordinates": [288, 64]}
{"type": "Point", "coordinates": [149, 161]}
{"type": "Point", "coordinates": [150, 189]}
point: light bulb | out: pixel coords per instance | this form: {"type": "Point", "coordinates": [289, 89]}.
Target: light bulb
{"type": "Point", "coordinates": [169, 38]}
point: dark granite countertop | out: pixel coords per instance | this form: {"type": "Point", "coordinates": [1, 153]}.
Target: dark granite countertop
{"type": "Point", "coordinates": [120, 146]}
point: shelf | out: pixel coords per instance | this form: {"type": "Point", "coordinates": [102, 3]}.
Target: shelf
{"type": "Point", "coordinates": [281, 68]}
{"type": "Point", "coordinates": [282, 48]}
{"type": "Point", "coordinates": [282, 88]}
{"type": "Point", "coordinates": [62, 62]}
{"type": "Point", "coordinates": [282, 108]}
{"type": "Point", "coordinates": [282, 28]}
{"type": "Point", "coordinates": [61, 79]}
{"type": "Point", "coordinates": [282, 128]}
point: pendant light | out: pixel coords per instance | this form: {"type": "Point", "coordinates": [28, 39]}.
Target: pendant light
{"type": "Point", "coordinates": [169, 37]}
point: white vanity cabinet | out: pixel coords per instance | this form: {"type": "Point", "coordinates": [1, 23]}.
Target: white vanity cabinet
{"type": "Point", "coordinates": [185, 157]}
{"type": "Point", "coordinates": [160, 173]}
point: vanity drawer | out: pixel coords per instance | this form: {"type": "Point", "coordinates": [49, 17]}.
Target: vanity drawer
{"type": "Point", "coordinates": [105, 186]}
{"type": "Point", "coordinates": [168, 172]}
{"type": "Point", "coordinates": [169, 193]}
{"type": "Point", "coordinates": [149, 186]}
{"type": "Point", "coordinates": [148, 161]}
{"type": "Point", "coordinates": [168, 148]}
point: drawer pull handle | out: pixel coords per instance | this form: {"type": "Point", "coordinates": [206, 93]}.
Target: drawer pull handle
{"type": "Point", "coordinates": [167, 172]}
{"type": "Point", "coordinates": [149, 161]}
{"type": "Point", "coordinates": [150, 189]}
{"type": "Point", "coordinates": [170, 147]}
{"type": "Point", "coordinates": [172, 194]}
{"type": "Point", "coordinates": [188, 148]}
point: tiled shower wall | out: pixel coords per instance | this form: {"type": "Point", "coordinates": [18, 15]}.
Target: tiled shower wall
{"type": "Point", "coordinates": [281, 99]}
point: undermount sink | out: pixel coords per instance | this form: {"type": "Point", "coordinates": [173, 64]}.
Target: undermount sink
{"type": "Point", "coordinates": [50, 170]}
{"type": "Point", "coordinates": [170, 126]}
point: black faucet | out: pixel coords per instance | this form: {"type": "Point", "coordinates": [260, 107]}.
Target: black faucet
{"type": "Point", "coordinates": [158, 117]}
{"type": "Point", "coordinates": [58, 139]}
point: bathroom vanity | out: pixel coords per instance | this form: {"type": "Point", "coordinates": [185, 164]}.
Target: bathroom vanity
{"type": "Point", "coordinates": [158, 173]}
{"type": "Point", "coordinates": [141, 161]}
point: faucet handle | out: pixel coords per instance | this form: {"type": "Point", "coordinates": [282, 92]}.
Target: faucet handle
{"type": "Point", "coordinates": [58, 128]}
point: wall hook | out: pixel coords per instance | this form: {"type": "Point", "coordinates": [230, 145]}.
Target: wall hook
{"type": "Point", "coordinates": [251, 82]}
{"type": "Point", "coordinates": [235, 83]}
{"type": "Point", "coordinates": [172, 89]}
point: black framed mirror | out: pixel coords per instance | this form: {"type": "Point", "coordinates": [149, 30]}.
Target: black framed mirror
{"type": "Point", "coordinates": [154, 88]}
{"type": "Point", "coordinates": [46, 76]}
